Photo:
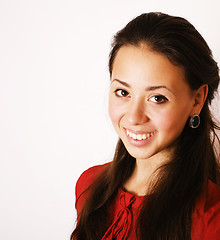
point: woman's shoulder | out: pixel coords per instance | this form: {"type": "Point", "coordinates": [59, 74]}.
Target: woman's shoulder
{"type": "Point", "coordinates": [89, 176]}
{"type": "Point", "coordinates": [85, 180]}
{"type": "Point", "coordinates": [206, 219]}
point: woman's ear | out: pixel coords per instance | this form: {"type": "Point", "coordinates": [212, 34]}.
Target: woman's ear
{"type": "Point", "coordinates": [200, 96]}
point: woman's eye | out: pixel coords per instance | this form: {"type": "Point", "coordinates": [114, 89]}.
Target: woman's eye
{"type": "Point", "coordinates": [121, 93]}
{"type": "Point", "coordinates": [158, 99]}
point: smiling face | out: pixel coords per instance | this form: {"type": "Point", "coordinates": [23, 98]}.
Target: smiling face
{"type": "Point", "coordinates": [149, 102]}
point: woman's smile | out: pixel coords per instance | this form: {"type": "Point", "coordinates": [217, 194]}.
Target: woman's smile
{"type": "Point", "coordinates": [139, 139]}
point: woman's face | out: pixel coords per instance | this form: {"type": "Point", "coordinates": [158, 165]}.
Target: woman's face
{"type": "Point", "coordinates": [150, 101]}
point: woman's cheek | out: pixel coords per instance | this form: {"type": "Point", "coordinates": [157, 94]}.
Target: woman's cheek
{"type": "Point", "coordinates": [166, 121]}
{"type": "Point", "coordinates": [172, 122]}
{"type": "Point", "coordinates": [115, 112]}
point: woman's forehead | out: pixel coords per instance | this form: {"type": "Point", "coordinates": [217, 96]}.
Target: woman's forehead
{"type": "Point", "coordinates": [145, 66]}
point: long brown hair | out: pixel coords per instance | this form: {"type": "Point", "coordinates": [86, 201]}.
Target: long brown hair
{"type": "Point", "coordinates": [168, 212]}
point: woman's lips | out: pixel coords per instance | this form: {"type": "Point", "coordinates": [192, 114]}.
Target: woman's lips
{"type": "Point", "coordinates": [139, 138]}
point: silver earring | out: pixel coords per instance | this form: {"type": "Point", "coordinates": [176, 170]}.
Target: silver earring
{"type": "Point", "coordinates": [194, 121]}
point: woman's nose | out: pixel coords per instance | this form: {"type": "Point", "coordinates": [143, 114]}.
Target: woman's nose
{"type": "Point", "coordinates": [136, 113]}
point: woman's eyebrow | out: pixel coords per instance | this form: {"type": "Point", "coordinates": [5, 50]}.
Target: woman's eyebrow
{"type": "Point", "coordinates": [150, 88]}
{"type": "Point", "coordinates": [121, 82]}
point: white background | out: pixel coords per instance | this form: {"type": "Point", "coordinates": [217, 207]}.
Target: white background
{"type": "Point", "coordinates": [53, 101]}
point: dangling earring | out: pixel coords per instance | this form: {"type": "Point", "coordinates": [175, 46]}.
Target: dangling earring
{"type": "Point", "coordinates": [194, 121]}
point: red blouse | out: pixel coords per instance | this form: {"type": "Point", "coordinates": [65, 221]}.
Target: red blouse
{"type": "Point", "coordinates": [124, 210]}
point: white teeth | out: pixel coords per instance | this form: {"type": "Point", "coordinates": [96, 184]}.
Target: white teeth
{"type": "Point", "coordinates": [134, 136]}
{"type": "Point", "coordinates": [139, 136]}
{"type": "Point", "coordinates": [144, 136]}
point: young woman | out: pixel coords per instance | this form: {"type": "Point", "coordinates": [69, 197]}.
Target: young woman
{"type": "Point", "coordinates": [163, 181]}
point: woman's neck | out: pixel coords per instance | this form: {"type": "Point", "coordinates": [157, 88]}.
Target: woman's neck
{"type": "Point", "coordinates": [144, 173]}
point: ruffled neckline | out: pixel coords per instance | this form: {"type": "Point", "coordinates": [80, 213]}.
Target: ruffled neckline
{"type": "Point", "coordinates": [125, 208]}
